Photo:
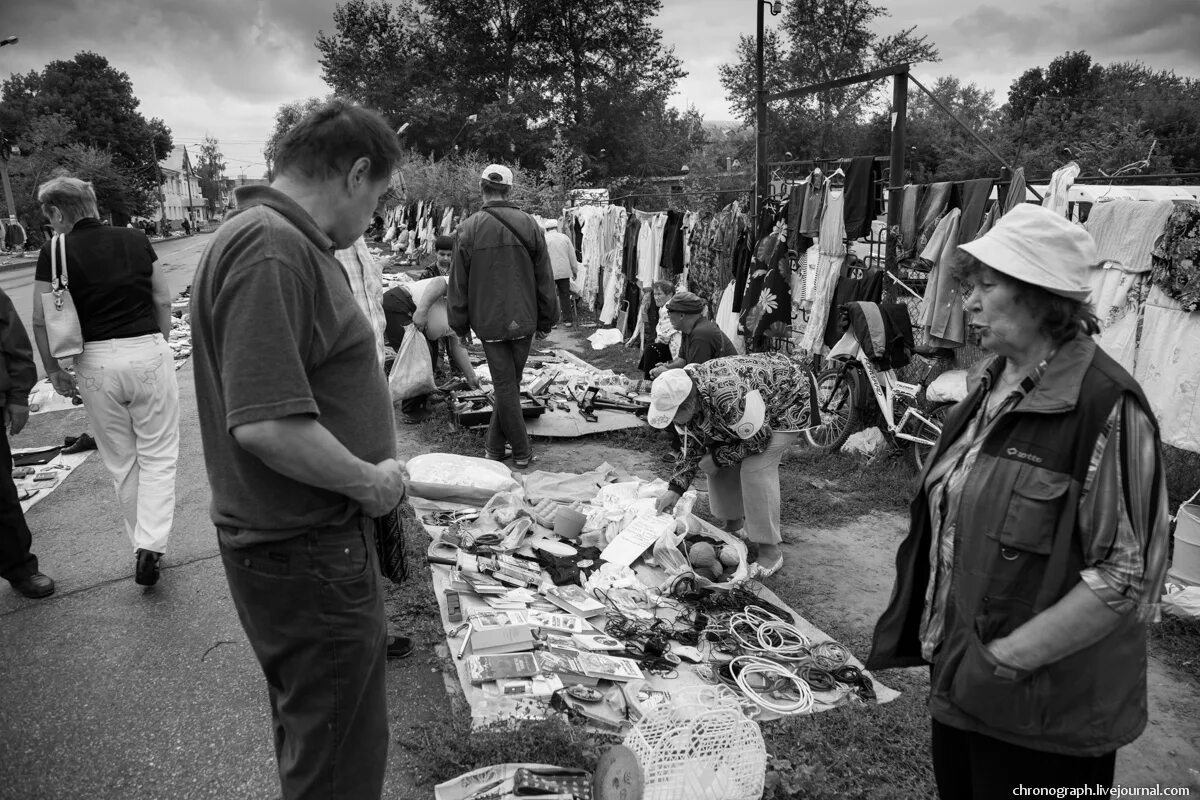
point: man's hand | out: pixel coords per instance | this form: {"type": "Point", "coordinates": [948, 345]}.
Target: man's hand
{"type": "Point", "coordinates": [387, 489]}
{"type": "Point", "coordinates": [667, 501]}
{"type": "Point", "coordinates": [659, 370]}
{"type": "Point", "coordinates": [15, 418]}
{"type": "Point", "coordinates": [708, 464]}
{"type": "Point", "coordinates": [472, 380]}
{"type": "Point", "coordinates": [420, 317]}
{"type": "Point", "coordinates": [541, 334]}
{"type": "Point", "coordinates": [63, 383]}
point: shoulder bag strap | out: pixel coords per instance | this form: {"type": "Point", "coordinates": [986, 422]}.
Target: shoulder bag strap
{"type": "Point", "coordinates": [58, 262]}
{"type": "Point", "coordinates": [492, 212]}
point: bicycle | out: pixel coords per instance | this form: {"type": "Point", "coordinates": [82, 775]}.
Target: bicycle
{"type": "Point", "coordinates": [849, 383]}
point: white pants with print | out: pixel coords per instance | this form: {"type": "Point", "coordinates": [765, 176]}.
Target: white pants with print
{"type": "Point", "coordinates": [132, 399]}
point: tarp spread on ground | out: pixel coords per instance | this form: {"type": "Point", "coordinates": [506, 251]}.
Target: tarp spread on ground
{"type": "Point", "coordinates": [565, 397]}
{"type": "Point", "coordinates": [36, 481]}
{"type": "Point", "coordinates": [618, 616]}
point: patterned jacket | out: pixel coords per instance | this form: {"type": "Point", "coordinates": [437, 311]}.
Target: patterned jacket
{"type": "Point", "coordinates": [720, 426]}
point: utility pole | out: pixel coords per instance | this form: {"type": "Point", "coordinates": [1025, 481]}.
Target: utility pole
{"type": "Point", "coordinates": [186, 163]}
{"type": "Point", "coordinates": [896, 171]}
{"type": "Point", "coordinates": [5, 152]}
{"type": "Point", "coordinates": [760, 121]}
{"type": "Point", "coordinates": [8, 198]}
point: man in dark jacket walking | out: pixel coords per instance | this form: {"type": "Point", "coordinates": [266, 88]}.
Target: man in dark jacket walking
{"type": "Point", "coordinates": [18, 373]}
{"type": "Point", "coordinates": [501, 285]}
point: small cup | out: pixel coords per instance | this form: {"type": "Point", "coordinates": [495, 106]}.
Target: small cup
{"type": "Point", "coordinates": [568, 523]}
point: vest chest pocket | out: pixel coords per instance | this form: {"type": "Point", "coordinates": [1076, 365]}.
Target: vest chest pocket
{"type": "Point", "coordinates": [1033, 510]}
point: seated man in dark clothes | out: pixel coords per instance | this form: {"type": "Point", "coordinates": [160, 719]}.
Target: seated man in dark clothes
{"type": "Point", "coordinates": [423, 304]}
{"type": "Point", "coordinates": [702, 339]}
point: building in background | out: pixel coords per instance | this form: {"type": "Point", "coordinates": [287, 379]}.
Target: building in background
{"type": "Point", "coordinates": [181, 195]}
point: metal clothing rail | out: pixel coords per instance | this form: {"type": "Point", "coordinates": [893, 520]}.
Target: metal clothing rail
{"type": "Point", "coordinates": [679, 194]}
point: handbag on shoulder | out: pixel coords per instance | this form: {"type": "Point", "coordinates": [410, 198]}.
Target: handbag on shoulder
{"type": "Point", "coordinates": [58, 309]}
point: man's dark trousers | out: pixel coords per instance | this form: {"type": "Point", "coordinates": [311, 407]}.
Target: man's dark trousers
{"type": "Point", "coordinates": [566, 303]}
{"type": "Point", "coordinates": [16, 562]}
{"type": "Point", "coordinates": [506, 362]}
{"type": "Point", "coordinates": [312, 608]}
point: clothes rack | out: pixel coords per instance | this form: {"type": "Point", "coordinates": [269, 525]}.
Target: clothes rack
{"type": "Point", "coordinates": [679, 194]}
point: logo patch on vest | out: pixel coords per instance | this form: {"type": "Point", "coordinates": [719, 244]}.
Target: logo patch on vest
{"type": "Point", "coordinates": [1020, 455]}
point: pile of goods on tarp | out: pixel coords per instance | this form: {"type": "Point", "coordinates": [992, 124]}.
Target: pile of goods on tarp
{"type": "Point", "coordinates": [559, 382]}
{"type": "Point", "coordinates": [569, 591]}
{"type": "Point", "coordinates": [180, 339]}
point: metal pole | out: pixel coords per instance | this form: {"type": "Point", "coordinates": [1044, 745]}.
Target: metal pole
{"type": "Point", "coordinates": [8, 198]}
{"type": "Point", "coordinates": [983, 143]}
{"type": "Point", "coordinates": [896, 180]}
{"type": "Point", "coordinates": [760, 127]}
{"type": "Point", "coordinates": [186, 160]}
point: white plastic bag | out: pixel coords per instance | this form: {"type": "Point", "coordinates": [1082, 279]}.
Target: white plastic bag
{"type": "Point", "coordinates": [741, 573]}
{"type": "Point", "coordinates": [949, 387]}
{"type": "Point", "coordinates": [459, 479]}
{"type": "Point", "coordinates": [1182, 602]}
{"type": "Point", "coordinates": [412, 371]}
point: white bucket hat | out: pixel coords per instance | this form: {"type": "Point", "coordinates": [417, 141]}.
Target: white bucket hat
{"type": "Point", "coordinates": [1039, 247]}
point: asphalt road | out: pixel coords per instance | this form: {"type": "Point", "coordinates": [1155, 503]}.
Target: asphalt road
{"type": "Point", "coordinates": [110, 691]}
{"type": "Point", "coordinates": [177, 258]}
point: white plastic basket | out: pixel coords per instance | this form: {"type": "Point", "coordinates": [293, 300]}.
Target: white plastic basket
{"type": "Point", "coordinates": [700, 747]}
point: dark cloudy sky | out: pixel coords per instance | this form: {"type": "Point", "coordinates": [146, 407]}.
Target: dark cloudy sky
{"type": "Point", "coordinates": [224, 66]}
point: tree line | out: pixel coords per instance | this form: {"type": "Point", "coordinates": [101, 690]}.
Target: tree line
{"type": "Point", "coordinates": [1101, 116]}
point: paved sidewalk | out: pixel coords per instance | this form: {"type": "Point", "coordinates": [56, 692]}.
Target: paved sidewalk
{"type": "Point", "coordinates": [115, 692]}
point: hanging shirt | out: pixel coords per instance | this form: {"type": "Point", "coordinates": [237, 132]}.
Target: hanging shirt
{"type": "Point", "coordinates": [944, 317]}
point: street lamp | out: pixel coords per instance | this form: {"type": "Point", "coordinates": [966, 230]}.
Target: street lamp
{"type": "Point", "coordinates": [470, 121]}
{"type": "Point", "coordinates": [8, 198]}
{"type": "Point", "coordinates": [760, 118]}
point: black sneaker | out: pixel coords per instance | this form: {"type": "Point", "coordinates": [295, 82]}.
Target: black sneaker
{"type": "Point", "coordinates": [400, 647]}
{"type": "Point", "coordinates": [146, 573]}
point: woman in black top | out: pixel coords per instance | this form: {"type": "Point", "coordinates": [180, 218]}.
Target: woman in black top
{"type": "Point", "coordinates": [126, 373]}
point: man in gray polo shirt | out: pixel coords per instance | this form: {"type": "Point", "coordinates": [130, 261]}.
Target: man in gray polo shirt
{"type": "Point", "coordinates": [296, 422]}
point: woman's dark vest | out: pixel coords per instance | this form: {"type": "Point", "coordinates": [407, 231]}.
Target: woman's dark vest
{"type": "Point", "coordinates": [1018, 551]}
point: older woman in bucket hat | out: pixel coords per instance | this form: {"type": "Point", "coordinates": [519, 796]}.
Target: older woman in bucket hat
{"type": "Point", "coordinates": [1038, 539]}
{"type": "Point", "coordinates": [737, 416]}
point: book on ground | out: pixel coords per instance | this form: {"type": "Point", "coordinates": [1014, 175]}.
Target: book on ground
{"type": "Point", "coordinates": [500, 632]}
{"type": "Point", "coordinates": [566, 623]}
{"type": "Point", "coordinates": [485, 668]}
{"type": "Point", "coordinates": [597, 642]}
{"type": "Point", "coordinates": [574, 599]}
{"type": "Point", "coordinates": [483, 584]}
{"type": "Point", "coordinates": [611, 668]}
{"type": "Point", "coordinates": [566, 667]}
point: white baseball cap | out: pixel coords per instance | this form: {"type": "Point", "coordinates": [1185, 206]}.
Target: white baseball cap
{"type": "Point", "coordinates": [667, 394]}
{"type": "Point", "coordinates": [550, 224]}
{"type": "Point", "coordinates": [498, 173]}
{"type": "Point", "coordinates": [1042, 248]}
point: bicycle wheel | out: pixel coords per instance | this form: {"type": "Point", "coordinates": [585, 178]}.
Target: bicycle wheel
{"type": "Point", "coordinates": [920, 452]}
{"type": "Point", "coordinates": [837, 392]}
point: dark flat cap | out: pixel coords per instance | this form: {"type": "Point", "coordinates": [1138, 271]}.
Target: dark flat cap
{"type": "Point", "coordinates": [685, 303]}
